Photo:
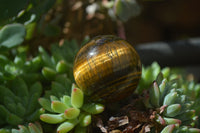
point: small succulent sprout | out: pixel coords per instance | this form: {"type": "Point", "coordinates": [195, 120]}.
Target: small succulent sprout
{"type": "Point", "coordinates": [173, 108]}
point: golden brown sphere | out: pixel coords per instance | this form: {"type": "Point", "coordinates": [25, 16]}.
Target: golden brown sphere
{"type": "Point", "coordinates": [107, 68]}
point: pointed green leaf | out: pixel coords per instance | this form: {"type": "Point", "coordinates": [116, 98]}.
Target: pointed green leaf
{"type": "Point", "coordinates": [19, 87]}
{"type": "Point", "coordinates": [170, 98]}
{"type": "Point", "coordinates": [45, 103]}
{"type": "Point", "coordinates": [155, 95]}
{"type": "Point", "coordinates": [46, 58]}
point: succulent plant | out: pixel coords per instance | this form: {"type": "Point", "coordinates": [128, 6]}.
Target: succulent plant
{"type": "Point", "coordinates": [57, 68]}
{"type": "Point", "coordinates": [60, 61]}
{"type": "Point", "coordinates": [69, 112]}
{"type": "Point", "coordinates": [19, 103]}
{"type": "Point", "coordinates": [18, 81]}
{"type": "Point", "coordinates": [172, 107]}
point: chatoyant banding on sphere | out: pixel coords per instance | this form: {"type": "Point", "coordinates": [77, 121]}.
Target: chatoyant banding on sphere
{"type": "Point", "coordinates": [107, 68]}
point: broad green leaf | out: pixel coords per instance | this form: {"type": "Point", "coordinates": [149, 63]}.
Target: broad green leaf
{"type": "Point", "coordinates": [12, 35]}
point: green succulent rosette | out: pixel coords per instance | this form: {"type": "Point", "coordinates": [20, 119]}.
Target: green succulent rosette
{"type": "Point", "coordinates": [69, 112]}
{"type": "Point", "coordinates": [172, 99]}
{"type": "Point", "coordinates": [19, 103]}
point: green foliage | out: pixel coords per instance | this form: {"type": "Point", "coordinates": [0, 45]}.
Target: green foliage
{"type": "Point", "coordinates": [69, 112]}
{"type": "Point", "coordinates": [9, 9]}
{"type": "Point", "coordinates": [24, 79]}
{"type": "Point", "coordinates": [12, 35]}
{"type": "Point", "coordinates": [23, 11]}
{"type": "Point", "coordinates": [149, 74]}
{"type": "Point", "coordinates": [18, 102]}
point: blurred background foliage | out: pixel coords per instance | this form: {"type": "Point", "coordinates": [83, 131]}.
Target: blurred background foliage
{"type": "Point", "coordinates": [49, 21]}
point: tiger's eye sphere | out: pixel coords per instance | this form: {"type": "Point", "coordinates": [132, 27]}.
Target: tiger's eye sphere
{"type": "Point", "coordinates": [107, 68]}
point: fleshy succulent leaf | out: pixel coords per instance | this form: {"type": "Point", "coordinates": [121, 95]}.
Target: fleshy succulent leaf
{"type": "Point", "coordinates": [48, 73]}
{"type": "Point", "coordinates": [155, 95]}
{"type": "Point", "coordinates": [85, 119]}
{"type": "Point", "coordinates": [71, 113]}
{"type": "Point", "coordinates": [66, 126]}
{"type": "Point", "coordinates": [58, 106]}
{"type": "Point", "coordinates": [52, 118]}
{"type": "Point", "coordinates": [45, 103]}
{"type": "Point", "coordinates": [168, 129]}
{"type": "Point", "coordinates": [93, 108]}
{"type": "Point", "coordinates": [77, 98]}
{"type": "Point", "coordinates": [172, 110]}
